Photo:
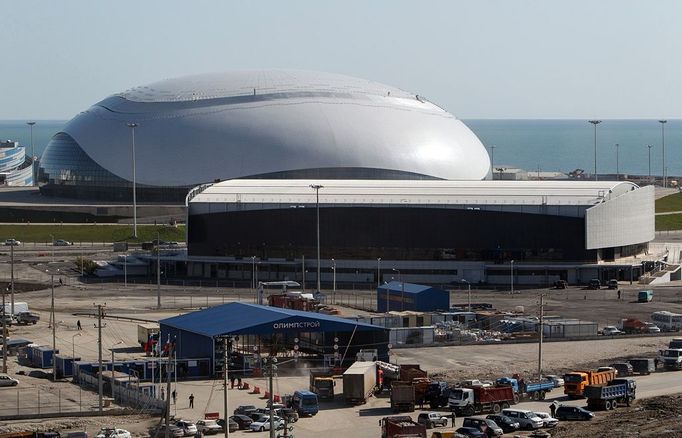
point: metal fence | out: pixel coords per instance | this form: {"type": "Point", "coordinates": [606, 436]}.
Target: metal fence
{"type": "Point", "coordinates": [42, 402]}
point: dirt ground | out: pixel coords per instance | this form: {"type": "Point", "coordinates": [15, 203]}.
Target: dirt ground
{"type": "Point", "coordinates": [653, 417]}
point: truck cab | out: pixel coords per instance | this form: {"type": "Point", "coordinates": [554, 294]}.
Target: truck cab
{"type": "Point", "coordinates": [305, 403]}
{"type": "Point", "coordinates": [460, 398]}
{"type": "Point", "coordinates": [322, 384]}
{"type": "Point", "coordinates": [672, 358]}
{"type": "Point", "coordinates": [574, 383]}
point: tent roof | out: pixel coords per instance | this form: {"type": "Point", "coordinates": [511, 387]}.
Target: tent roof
{"type": "Point", "coordinates": [243, 318]}
{"type": "Point", "coordinates": [410, 288]}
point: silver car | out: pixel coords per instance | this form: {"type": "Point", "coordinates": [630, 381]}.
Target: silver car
{"type": "Point", "coordinates": [6, 380]}
{"type": "Point", "coordinates": [547, 420]}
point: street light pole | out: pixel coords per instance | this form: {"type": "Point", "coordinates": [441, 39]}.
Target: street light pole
{"type": "Point", "coordinates": [334, 281]}
{"type": "Point", "coordinates": [595, 123]}
{"type": "Point", "coordinates": [54, 335]}
{"type": "Point", "coordinates": [158, 271]}
{"type": "Point", "coordinates": [317, 188]}
{"type": "Point", "coordinates": [617, 164]}
{"type": "Point", "coordinates": [663, 122]}
{"type": "Point", "coordinates": [132, 127]}
{"type": "Point", "coordinates": [402, 288]}
{"type": "Point", "coordinates": [511, 274]}
{"type": "Point", "coordinates": [378, 271]}
{"type": "Point", "coordinates": [649, 146]}
{"type": "Point", "coordinates": [468, 293]}
{"type": "Point", "coordinates": [492, 159]}
{"type": "Point", "coordinates": [112, 369]}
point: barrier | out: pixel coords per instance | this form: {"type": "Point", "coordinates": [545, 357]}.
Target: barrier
{"type": "Point", "coordinates": [256, 390]}
{"type": "Point", "coordinates": [276, 399]}
{"type": "Point", "coordinates": [245, 386]}
{"type": "Point", "coordinates": [267, 394]}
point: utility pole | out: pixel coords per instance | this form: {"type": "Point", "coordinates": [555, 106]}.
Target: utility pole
{"type": "Point", "coordinates": [4, 333]}
{"type": "Point", "coordinates": [271, 372]}
{"type": "Point", "coordinates": [158, 271]}
{"type": "Point", "coordinates": [225, 371]}
{"type": "Point", "coordinates": [540, 335]}
{"type": "Point", "coordinates": [100, 312]}
{"type": "Point", "coordinates": [303, 270]}
{"type": "Point", "coordinates": [378, 272]}
{"type": "Point", "coordinates": [54, 335]}
{"type": "Point", "coordinates": [595, 123]}
{"type": "Point", "coordinates": [665, 178]}
{"type": "Point", "coordinates": [11, 263]}
{"type": "Point", "coordinates": [168, 387]}
{"type": "Point", "coordinates": [511, 274]}
{"type": "Point", "coordinates": [132, 127]}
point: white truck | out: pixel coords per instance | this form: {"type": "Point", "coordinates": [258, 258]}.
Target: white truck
{"type": "Point", "coordinates": [19, 307]}
{"type": "Point", "coordinates": [359, 382]}
{"type": "Point", "coordinates": [672, 358]}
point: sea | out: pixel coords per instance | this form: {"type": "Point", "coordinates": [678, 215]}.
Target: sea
{"type": "Point", "coordinates": [545, 145]}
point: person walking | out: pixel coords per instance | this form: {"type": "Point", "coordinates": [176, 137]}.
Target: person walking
{"type": "Point", "coordinates": [619, 294]}
{"type": "Point", "coordinates": [191, 401]}
{"type": "Point", "coordinates": [239, 383]}
{"type": "Point", "coordinates": [453, 417]}
{"type": "Point", "coordinates": [78, 325]}
{"type": "Point", "coordinates": [174, 395]}
{"type": "Point", "coordinates": [552, 409]}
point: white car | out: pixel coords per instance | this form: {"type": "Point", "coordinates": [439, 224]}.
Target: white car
{"type": "Point", "coordinates": [651, 328]}
{"type": "Point", "coordinates": [6, 380]}
{"type": "Point", "coordinates": [62, 242]}
{"type": "Point", "coordinates": [112, 432]}
{"type": "Point", "coordinates": [558, 381]}
{"type": "Point", "coordinates": [611, 330]}
{"type": "Point", "coordinates": [263, 423]}
{"type": "Point", "coordinates": [208, 427]}
{"type": "Point", "coordinates": [547, 419]}
{"type": "Point", "coordinates": [188, 428]}
{"type": "Point", "coordinates": [12, 242]}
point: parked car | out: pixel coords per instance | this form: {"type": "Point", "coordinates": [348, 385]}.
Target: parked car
{"type": "Point", "coordinates": [547, 419]}
{"type": "Point", "coordinates": [611, 330]}
{"type": "Point", "coordinates": [209, 427]}
{"type": "Point", "coordinates": [6, 380]}
{"type": "Point", "coordinates": [160, 431]}
{"type": "Point", "coordinates": [264, 424]}
{"type": "Point", "coordinates": [112, 432]}
{"type": "Point", "coordinates": [242, 421]}
{"type": "Point", "coordinates": [432, 419]}
{"type": "Point", "coordinates": [558, 381]}
{"type": "Point", "coordinates": [594, 284]}
{"type": "Point", "coordinates": [560, 284]}
{"type": "Point", "coordinates": [471, 432]}
{"type": "Point", "coordinates": [651, 328]}
{"type": "Point", "coordinates": [506, 424]}
{"type": "Point", "coordinates": [232, 425]}
{"type": "Point", "coordinates": [527, 419]}
{"type": "Point", "coordinates": [188, 428]}
{"type": "Point", "coordinates": [27, 318]}
{"type": "Point", "coordinates": [12, 242]}
{"type": "Point", "coordinates": [573, 413]}
{"type": "Point", "coordinates": [600, 369]}
{"type": "Point", "coordinates": [623, 369]}
{"type": "Point", "coordinates": [62, 242]}
{"type": "Point", "coordinates": [290, 415]}
{"type": "Point", "coordinates": [612, 284]}
{"type": "Point", "coordinates": [8, 319]}
{"type": "Point", "coordinates": [484, 424]}
{"type": "Point", "coordinates": [245, 410]}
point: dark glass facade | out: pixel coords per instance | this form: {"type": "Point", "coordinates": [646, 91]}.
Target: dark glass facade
{"type": "Point", "coordinates": [67, 171]}
{"type": "Point", "coordinates": [398, 233]}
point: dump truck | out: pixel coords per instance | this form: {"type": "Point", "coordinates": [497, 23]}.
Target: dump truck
{"type": "Point", "coordinates": [609, 396]}
{"type": "Point", "coordinates": [402, 396]}
{"type": "Point", "coordinates": [409, 372]}
{"type": "Point", "coordinates": [643, 365]}
{"type": "Point", "coordinates": [672, 359]}
{"type": "Point", "coordinates": [479, 399]}
{"type": "Point", "coordinates": [359, 382]}
{"type": "Point", "coordinates": [526, 390]}
{"type": "Point", "coordinates": [437, 394]}
{"type": "Point", "coordinates": [575, 382]}
{"type": "Point", "coordinates": [401, 427]}
{"type": "Point", "coordinates": [145, 336]}
{"type": "Point", "coordinates": [322, 383]}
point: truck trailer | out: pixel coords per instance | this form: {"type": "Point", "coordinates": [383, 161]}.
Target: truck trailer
{"type": "Point", "coordinates": [526, 390]}
{"type": "Point", "coordinates": [402, 396]}
{"type": "Point", "coordinates": [478, 399]}
{"type": "Point", "coordinates": [609, 396]}
{"type": "Point", "coordinates": [402, 427]}
{"type": "Point", "coordinates": [359, 382]}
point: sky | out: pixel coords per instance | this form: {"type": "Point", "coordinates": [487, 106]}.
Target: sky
{"type": "Point", "coordinates": [510, 59]}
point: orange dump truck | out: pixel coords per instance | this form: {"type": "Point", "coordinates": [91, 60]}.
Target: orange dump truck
{"type": "Point", "coordinates": [575, 382]}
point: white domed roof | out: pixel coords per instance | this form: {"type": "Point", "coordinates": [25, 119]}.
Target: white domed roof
{"type": "Point", "coordinates": [221, 126]}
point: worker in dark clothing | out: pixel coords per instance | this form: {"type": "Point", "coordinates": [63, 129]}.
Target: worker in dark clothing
{"type": "Point", "coordinates": [552, 409]}
{"type": "Point", "coordinates": [78, 325]}
{"type": "Point", "coordinates": [191, 401]}
{"type": "Point", "coordinates": [619, 294]}
{"type": "Point", "coordinates": [453, 417]}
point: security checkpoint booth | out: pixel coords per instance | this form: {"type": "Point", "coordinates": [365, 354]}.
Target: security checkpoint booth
{"type": "Point", "coordinates": [251, 332]}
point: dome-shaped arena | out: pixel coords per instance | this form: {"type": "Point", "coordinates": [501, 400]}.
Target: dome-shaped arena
{"type": "Point", "coordinates": [255, 124]}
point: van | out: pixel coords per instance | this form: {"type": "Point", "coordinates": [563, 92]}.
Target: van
{"type": "Point", "coordinates": [526, 419]}
{"type": "Point", "coordinates": [612, 284]}
{"type": "Point", "coordinates": [675, 343]}
{"type": "Point", "coordinates": [305, 403]}
{"type": "Point", "coordinates": [644, 296]}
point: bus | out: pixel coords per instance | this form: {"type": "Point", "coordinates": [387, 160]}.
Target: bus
{"type": "Point", "coordinates": [667, 321]}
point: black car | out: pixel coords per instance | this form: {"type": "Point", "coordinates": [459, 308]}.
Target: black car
{"type": "Point", "coordinates": [560, 284]}
{"type": "Point", "coordinates": [242, 421]}
{"type": "Point", "coordinates": [506, 424]}
{"type": "Point", "coordinates": [573, 413]}
{"type": "Point", "coordinates": [471, 432]}
{"type": "Point", "coordinates": [245, 410]}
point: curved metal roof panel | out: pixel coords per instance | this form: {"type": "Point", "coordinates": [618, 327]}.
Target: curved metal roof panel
{"type": "Point", "coordinates": [197, 129]}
